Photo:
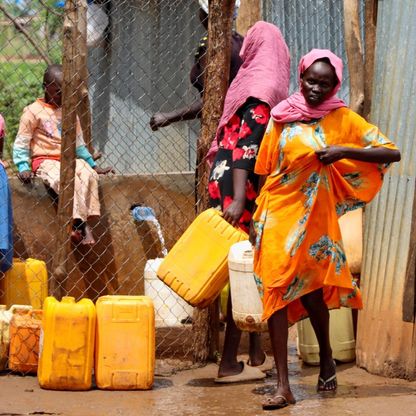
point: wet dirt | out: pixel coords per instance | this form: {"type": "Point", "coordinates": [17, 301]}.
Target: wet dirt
{"type": "Point", "coordinates": [193, 392]}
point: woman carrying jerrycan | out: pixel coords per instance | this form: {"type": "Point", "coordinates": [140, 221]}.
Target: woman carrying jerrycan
{"type": "Point", "coordinates": [262, 82]}
{"type": "Point", "coordinates": [318, 160]}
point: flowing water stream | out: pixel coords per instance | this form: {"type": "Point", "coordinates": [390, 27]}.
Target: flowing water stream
{"type": "Point", "coordinates": [142, 213]}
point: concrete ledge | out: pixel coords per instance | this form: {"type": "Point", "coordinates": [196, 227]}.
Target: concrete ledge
{"type": "Point", "coordinates": [115, 264]}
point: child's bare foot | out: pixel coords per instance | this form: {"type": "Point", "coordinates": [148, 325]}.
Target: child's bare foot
{"type": "Point", "coordinates": [88, 238]}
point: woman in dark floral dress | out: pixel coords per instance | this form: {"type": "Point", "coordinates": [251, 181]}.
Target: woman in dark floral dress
{"type": "Point", "coordinates": [261, 82]}
{"type": "Point", "coordinates": [239, 143]}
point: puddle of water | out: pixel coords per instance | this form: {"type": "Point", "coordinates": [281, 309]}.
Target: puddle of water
{"type": "Point", "coordinates": [142, 213]}
{"type": "Point", "coordinates": [162, 383]}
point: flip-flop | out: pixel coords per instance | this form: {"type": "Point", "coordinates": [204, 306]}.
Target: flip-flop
{"type": "Point", "coordinates": [322, 383]}
{"type": "Point", "coordinates": [248, 374]}
{"type": "Point", "coordinates": [275, 402]}
{"type": "Point", "coordinates": [267, 365]}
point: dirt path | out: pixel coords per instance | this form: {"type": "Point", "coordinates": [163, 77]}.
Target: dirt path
{"type": "Point", "coordinates": [193, 392]}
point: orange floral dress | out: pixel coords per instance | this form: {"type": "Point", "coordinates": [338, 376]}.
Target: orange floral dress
{"type": "Point", "coordinates": [299, 246]}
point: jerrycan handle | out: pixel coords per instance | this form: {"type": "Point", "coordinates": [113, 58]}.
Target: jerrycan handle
{"type": "Point", "coordinates": [14, 308]}
{"type": "Point", "coordinates": [35, 313]}
{"type": "Point", "coordinates": [237, 227]}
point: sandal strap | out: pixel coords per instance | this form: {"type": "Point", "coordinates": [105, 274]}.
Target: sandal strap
{"type": "Point", "coordinates": [328, 380]}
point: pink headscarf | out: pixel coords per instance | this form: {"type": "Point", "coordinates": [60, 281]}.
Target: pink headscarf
{"type": "Point", "coordinates": [295, 107]}
{"type": "Point", "coordinates": [264, 74]}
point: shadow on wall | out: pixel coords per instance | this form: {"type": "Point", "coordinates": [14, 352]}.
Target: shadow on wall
{"type": "Point", "coordinates": [115, 264]}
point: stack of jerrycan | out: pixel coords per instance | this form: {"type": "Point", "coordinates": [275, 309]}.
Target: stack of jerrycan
{"type": "Point", "coordinates": [67, 350]}
{"type": "Point", "coordinates": [125, 343]}
{"type": "Point", "coordinates": [247, 305]}
{"type": "Point", "coordinates": [25, 328]}
{"type": "Point", "coordinates": [341, 328]}
{"type": "Point", "coordinates": [5, 319]}
{"type": "Point", "coordinates": [26, 283]}
{"type": "Point", "coordinates": [196, 267]}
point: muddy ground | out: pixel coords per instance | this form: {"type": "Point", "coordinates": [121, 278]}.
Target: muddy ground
{"type": "Point", "coordinates": [193, 392]}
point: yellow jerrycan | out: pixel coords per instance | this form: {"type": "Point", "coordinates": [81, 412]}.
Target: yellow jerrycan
{"type": "Point", "coordinates": [67, 344]}
{"type": "Point", "coordinates": [196, 267]}
{"type": "Point", "coordinates": [26, 283]}
{"type": "Point", "coordinates": [5, 318]}
{"type": "Point", "coordinates": [125, 343]}
{"type": "Point", "coordinates": [341, 333]}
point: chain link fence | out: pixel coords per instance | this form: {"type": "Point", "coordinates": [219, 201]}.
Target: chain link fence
{"type": "Point", "coordinates": [140, 53]}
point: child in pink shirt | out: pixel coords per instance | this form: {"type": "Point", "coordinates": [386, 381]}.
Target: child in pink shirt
{"type": "Point", "coordinates": [37, 151]}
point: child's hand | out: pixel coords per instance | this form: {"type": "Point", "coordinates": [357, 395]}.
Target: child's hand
{"type": "Point", "coordinates": [104, 171]}
{"type": "Point", "coordinates": [25, 176]}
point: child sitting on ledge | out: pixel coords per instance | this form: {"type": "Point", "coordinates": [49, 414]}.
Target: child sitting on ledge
{"type": "Point", "coordinates": [37, 151]}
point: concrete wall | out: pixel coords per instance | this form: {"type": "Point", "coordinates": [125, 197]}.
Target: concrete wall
{"type": "Point", "coordinates": [116, 262]}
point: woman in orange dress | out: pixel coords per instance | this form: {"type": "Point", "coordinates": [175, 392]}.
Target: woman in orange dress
{"type": "Point", "coordinates": [318, 159]}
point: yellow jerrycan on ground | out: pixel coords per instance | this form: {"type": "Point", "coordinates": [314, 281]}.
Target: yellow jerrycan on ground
{"type": "Point", "coordinates": [5, 318]}
{"type": "Point", "coordinates": [341, 328]}
{"type": "Point", "coordinates": [26, 283]}
{"type": "Point", "coordinates": [125, 343]}
{"type": "Point", "coordinates": [196, 267]}
{"type": "Point", "coordinates": [247, 305]}
{"type": "Point", "coordinates": [341, 334]}
{"type": "Point", "coordinates": [67, 344]}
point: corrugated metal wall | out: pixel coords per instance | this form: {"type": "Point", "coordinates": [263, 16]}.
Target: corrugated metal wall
{"type": "Point", "coordinates": [386, 344]}
{"type": "Point", "coordinates": [145, 69]}
{"type": "Point", "coordinates": [310, 24]}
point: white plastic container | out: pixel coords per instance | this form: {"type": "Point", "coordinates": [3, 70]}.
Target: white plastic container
{"type": "Point", "coordinates": [247, 306]}
{"type": "Point", "coordinates": [341, 334]}
{"type": "Point", "coordinates": [170, 309]}
{"type": "Point", "coordinates": [351, 225]}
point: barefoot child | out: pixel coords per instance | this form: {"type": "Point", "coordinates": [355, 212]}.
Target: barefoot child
{"type": "Point", "coordinates": [37, 151]}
